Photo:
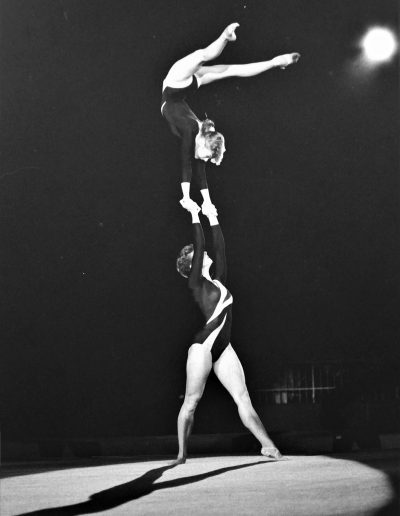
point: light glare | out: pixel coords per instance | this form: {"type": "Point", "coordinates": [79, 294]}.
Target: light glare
{"type": "Point", "coordinates": [379, 44]}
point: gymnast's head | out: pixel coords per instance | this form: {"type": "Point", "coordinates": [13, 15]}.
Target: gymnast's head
{"type": "Point", "coordinates": [210, 144]}
{"type": "Point", "coordinates": [184, 261]}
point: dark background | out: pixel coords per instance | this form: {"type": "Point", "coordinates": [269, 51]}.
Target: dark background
{"type": "Point", "coordinates": [95, 320]}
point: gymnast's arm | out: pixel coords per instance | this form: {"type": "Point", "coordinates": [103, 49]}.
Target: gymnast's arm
{"type": "Point", "coordinates": [188, 162]}
{"type": "Point", "coordinates": [187, 153]}
{"type": "Point", "coordinates": [200, 174]}
{"type": "Point", "coordinates": [199, 247]}
{"type": "Point", "coordinates": [218, 248]}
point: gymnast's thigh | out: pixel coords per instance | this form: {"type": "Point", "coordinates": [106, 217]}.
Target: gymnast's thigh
{"type": "Point", "coordinates": [185, 67]}
{"type": "Point", "coordinates": [229, 371]}
{"type": "Point", "coordinates": [198, 367]}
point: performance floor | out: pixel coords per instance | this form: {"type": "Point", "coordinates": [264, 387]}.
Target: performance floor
{"type": "Point", "coordinates": [359, 483]}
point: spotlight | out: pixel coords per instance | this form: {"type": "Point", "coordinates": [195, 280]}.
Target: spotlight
{"type": "Point", "coordinates": [379, 44]}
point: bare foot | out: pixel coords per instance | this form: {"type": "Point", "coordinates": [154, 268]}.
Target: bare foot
{"type": "Point", "coordinates": [272, 453]}
{"type": "Point", "coordinates": [286, 59]}
{"type": "Point", "coordinates": [178, 461]}
{"type": "Point", "coordinates": [229, 32]}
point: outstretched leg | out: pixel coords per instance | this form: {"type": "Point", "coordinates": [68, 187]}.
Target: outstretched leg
{"type": "Point", "coordinates": [198, 367]}
{"type": "Point", "coordinates": [209, 74]}
{"type": "Point", "coordinates": [188, 65]}
{"type": "Point", "coordinates": [229, 371]}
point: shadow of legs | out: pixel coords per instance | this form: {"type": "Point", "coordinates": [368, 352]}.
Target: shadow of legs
{"type": "Point", "coordinates": [132, 490]}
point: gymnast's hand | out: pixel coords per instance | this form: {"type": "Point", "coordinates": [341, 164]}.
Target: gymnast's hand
{"type": "Point", "coordinates": [208, 209]}
{"type": "Point", "coordinates": [189, 205]}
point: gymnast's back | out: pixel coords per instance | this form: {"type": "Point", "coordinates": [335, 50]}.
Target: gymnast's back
{"type": "Point", "coordinates": [176, 110]}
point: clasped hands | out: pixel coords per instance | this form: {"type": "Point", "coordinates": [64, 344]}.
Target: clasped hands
{"type": "Point", "coordinates": [207, 208]}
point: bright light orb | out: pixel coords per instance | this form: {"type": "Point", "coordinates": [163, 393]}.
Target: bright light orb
{"type": "Point", "coordinates": [379, 44]}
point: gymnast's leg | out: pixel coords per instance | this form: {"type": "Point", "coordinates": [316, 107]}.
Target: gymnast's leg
{"type": "Point", "coordinates": [229, 371]}
{"type": "Point", "coordinates": [187, 66]}
{"type": "Point", "coordinates": [208, 74]}
{"type": "Point", "coordinates": [198, 367]}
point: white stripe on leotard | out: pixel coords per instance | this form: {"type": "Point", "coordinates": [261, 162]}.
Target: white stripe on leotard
{"type": "Point", "coordinates": [181, 84]}
{"type": "Point", "coordinates": [209, 342]}
{"type": "Point", "coordinates": [177, 84]}
{"type": "Point", "coordinates": [222, 302]}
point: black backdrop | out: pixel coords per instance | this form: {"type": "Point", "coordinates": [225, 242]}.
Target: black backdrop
{"type": "Point", "coordinates": [95, 320]}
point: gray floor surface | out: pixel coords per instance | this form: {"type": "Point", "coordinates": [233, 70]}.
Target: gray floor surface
{"type": "Point", "coordinates": [357, 483]}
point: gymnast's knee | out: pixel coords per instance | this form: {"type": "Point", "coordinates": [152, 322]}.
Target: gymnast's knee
{"type": "Point", "coordinates": [242, 398]}
{"type": "Point", "coordinates": [190, 403]}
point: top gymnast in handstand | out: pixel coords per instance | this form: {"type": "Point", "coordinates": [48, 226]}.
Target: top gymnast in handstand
{"type": "Point", "coordinates": [211, 348]}
{"type": "Point", "coordinates": [200, 142]}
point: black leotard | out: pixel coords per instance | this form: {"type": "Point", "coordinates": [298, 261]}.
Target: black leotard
{"type": "Point", "coordinates": [178, 94]}
{"type": "Point", "coordinates": [184, 124]}
{"type": "Point", "coordinates": [214, 299]}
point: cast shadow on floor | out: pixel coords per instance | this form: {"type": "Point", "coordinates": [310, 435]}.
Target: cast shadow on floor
{"type": "Point", "coordinates": [141, 486]}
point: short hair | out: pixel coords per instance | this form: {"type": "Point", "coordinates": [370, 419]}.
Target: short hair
{"type": "Point", "coordinates": [207, 126]}
{"type": "Point", "coordinates": [184, 261]}
{"type": "Point", "coordinates": [216, 142]}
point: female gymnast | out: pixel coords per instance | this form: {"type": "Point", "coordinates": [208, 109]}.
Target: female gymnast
{"type": "Point", "coordinates": [211, 347]}
{"type": "Point", "coordinates": [200, 142]}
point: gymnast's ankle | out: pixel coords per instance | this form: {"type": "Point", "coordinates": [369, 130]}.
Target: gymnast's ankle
{"type": "Point", "coordinates": [286, 59]}
{"type": "Point", "coordinates": [179, 460]}
{"type": "Point", "coordinates": [229, 32]}
{"type": "Point", "coordinates": [271, 452]}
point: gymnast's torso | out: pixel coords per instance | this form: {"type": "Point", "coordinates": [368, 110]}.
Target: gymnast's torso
{"type": "Point", "coordinates": [175, 109]}
{"type": "Point", "coordinates": [216, 333]}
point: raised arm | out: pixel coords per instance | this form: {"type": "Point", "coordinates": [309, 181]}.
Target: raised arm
{"type": "Point", "coordinates": [198, 246]}
{"type": "Point", "coordinates": [218, 248]}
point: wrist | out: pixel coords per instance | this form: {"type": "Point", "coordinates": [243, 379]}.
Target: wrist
{"type": "Point", "coordinates": [205, 193]}
{"type": "Point", "coordinates": [213, 219]}
{"type": "Point", "coordinates": [185, 190]}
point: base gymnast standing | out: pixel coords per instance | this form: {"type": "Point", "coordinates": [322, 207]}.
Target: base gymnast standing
{"type": "Point", "coordinates": [211, 348]}
{"type": "Point", "coordinates": [200, 142]}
